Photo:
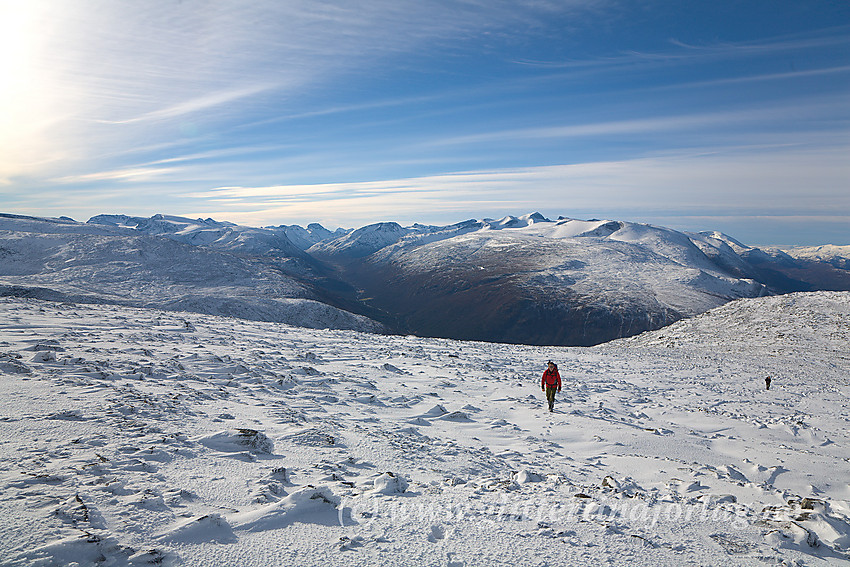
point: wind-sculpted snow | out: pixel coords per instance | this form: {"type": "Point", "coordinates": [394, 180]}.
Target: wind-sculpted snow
{"type": "Point", "coordinates": [141, 437]}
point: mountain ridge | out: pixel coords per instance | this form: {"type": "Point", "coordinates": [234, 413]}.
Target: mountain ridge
{"type": "Point", "coordinates": [518, 279]}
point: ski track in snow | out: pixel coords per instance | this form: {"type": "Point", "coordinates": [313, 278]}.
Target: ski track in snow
{"type": "Point", "coordinates": [141, 437]}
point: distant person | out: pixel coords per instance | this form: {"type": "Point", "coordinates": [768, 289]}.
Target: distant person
{"type": "Point", "coordinates": [551, 383]}
{"type": "Point", "coordinates": [767, 383]}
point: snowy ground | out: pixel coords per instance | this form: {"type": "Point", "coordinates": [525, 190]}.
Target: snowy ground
{"type": "Point", "coordinates": [136, 437]}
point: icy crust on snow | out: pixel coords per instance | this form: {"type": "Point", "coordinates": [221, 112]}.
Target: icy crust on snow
{"type": "Point", "coordinates": [140, 437]}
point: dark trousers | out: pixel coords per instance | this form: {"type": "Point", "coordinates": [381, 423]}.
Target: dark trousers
{"type": "Point", "coordinates": [550, 396]}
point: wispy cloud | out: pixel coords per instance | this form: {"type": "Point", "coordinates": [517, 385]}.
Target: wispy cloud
{"type": "Point", "coordinates": [268, 101]}
{"type": "Point", "coordinates": [774, 113]}
{"type": "Point", "coordinates": [344, 109]}
{"type": "Point", "coordinates": [789, 75]}
{"type": "Point", "coordinates": [682, 52]}
{"type": "Point", "coordinates": [110, 74]}
{"type": "Point", "coordinates": [823, 38]}
{"type": "Point", "coordinates": [778, 181]}
{"type": "Point", "coordinates": [201, 103]}
{"type": "Point", "coordinates": [134, 174]}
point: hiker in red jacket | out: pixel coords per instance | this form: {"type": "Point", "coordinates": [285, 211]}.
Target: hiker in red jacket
{"type": "Point", "coordinates": [551, 383]}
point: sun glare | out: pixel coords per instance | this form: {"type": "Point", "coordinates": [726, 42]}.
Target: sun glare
{"type": "Point", "coordinates": [19, 39]}
{"type": "Point", "coordinates": [26, 88]}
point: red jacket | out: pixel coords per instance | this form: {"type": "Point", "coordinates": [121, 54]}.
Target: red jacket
{"type": "Point", "coordinates": [551, 379]}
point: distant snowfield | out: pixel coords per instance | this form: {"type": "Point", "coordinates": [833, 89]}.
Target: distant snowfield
{"type": "Point", "coordinates": [140, 437]}
{"type": "Point", "coordinates": [825, 253]}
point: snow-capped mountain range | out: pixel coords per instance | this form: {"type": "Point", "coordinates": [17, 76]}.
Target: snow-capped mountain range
{"type": "Point", "coordinates": [169, 263]}
{"type": "Point", "coordinates": [524, 279]}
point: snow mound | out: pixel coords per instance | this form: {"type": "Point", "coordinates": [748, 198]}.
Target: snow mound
{"type": "Point", "coordinates": [435, 411]}
{"type": "Point", "coordinates": [309, 506]}
{"type": "Point", "coordinates": [389, 483]}
{"type": "Point", "coordinates": [524, 477]}
{"type": "Point", "coordinates": [91, 549]}
{"type": "Point", "coordinates": [237, 440]}
{"type": "Point", "coordinates": [289, 311]}
{"type": "Point", "coordinates": [11, 365]}
{"type": "Point", "coordinates": [207, 528]}
{"type": "Point", "coordinates": [456, 416]}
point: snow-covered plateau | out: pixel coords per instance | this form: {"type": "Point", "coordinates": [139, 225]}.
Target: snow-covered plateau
{"type": "Point", "coordinates": [133, 436]}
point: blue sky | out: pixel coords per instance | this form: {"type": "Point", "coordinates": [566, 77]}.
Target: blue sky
{"type": "Point", "coordinates": [724, 115]}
